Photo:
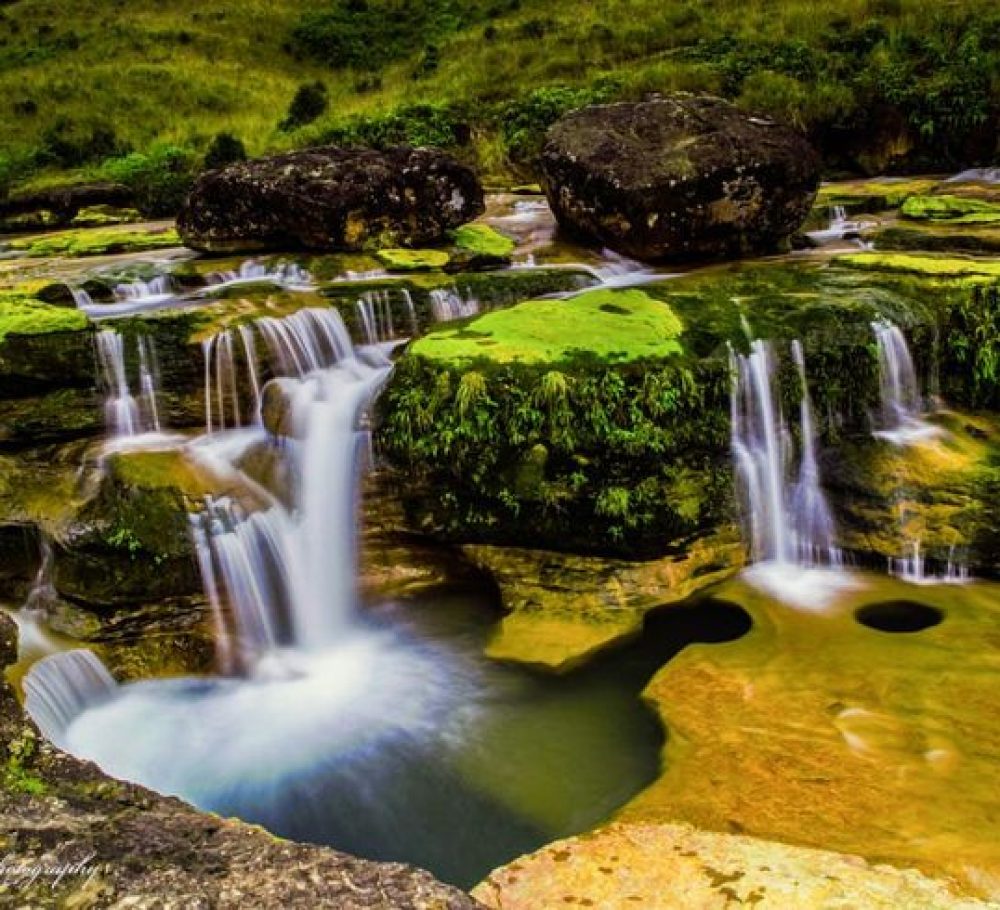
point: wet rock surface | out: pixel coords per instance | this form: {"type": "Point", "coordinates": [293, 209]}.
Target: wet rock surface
{"type": "Point", "coordinates": [676, 867]}
{"type": "Point", "coordinates": [331, 199]}
{"type": "Point", "coordinates": [678, 178]}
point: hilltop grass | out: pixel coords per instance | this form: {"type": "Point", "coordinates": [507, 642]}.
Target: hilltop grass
{"type": "Point", "coordinates": [610, 326]}
{"type": "Point", "coordinates": [85, 86]}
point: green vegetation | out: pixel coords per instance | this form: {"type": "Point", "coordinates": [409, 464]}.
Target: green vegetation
{"type": "Point", "coordinates": [876, 83]}
{"type": "Point", "coordinates": [413, 260]}
{"type": "Point", "coordinates": [23, 314]}
{"type": "Point", "coordinates": [482, 240]}
{"type": "Point", "coordinates": [960, 268]}
{"type": "Point", "coordinates": [96, 242]}
{"type": "Point", "coordinates": [953, 209]}
{"type": "Point", "coordinates": [18, 776]}
{"type": "Point", "coordinates": [611, 326]}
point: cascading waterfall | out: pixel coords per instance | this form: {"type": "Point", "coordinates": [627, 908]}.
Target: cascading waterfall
{"type": "Point", "coordinates": [789, 521]}
{"type": "Point", "coordinates": [284, 274]}
{"type": "Point", "coordinates": [127, 414]}
{"type": "Point", "coordinates": [447, 305]}
{"type": "Point", "coordinates": [156, 288]}
{"type": "Point", "coordinates": [375, 313]}
{"type": "Point", "coordinates": [899, 391]}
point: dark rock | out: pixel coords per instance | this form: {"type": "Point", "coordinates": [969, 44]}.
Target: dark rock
{"type": "Point", "coordinates": [276, 406]}
{"type": "Point", "coordinates": [680, 178]}
{"type": "Point", "coordinates": [331, 199]}
{"type": "Point", "coordinates": [58, 293]}
{"type": "Point", "coordinates": [63, 203]}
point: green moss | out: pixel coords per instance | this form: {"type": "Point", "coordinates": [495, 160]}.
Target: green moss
{"type": "Point", "coordinates": [23, 314]}
{"type": "Point", "coordinates": [103, 215]}
{"type": "Point", "coordinates": [17, 774]}
{"type": "Point", "coordinates": [613, 326]}
{"type": "Point", "coordinates": [953, 209]}
{"type": "Point", "coordinates": [96, 242]}
{"type": "Point", "coordinates": [871, 195]}
{"type": "Point", "coordinates": [935, 237]}
{"type": "Point", "coordinates": [964, 269]}
{"type": "Point", "coordinates": [482, 240]}
{"type": "Point", "coordinates": [396, 260]}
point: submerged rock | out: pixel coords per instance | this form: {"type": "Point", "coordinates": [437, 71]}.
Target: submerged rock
{"type": "Point", "coordinates": [331, 199]}
{"type": "Point", "coordinates": [679, 178]}
{"type": "Point", "coordinates": [677, 867]}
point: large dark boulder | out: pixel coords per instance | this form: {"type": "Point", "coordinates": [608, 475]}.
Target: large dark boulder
{"type": "Point", "coordinates": [331, 199]}
{"type": "Point", "coordinates": [678, 178]}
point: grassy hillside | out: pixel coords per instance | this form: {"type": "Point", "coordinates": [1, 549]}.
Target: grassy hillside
{"type": "Point", "coordinates": [876, 83]}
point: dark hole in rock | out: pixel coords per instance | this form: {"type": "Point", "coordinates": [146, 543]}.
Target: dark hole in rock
{"type": "Point", "coordinates": [617, 310]}
{"type": "Point", "coordinates": [898, 616]}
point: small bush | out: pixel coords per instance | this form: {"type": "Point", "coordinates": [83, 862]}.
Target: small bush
{"type": "Point", "coordinates": [224, 149]}
{"type": "Point", "coordinates": [68, 143]}
{"type": "Point", "coordinates": [160, 178]}
{"type": "Point", "coordinates": [309, 104]}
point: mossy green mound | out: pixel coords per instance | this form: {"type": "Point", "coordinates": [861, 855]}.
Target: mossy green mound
{"type": "Point", "coordinates": [605, 325]}
{"type": "Point", "coordinates": [96, 242]}
{"type": "Point", "coordinates": [954, 209]}
{"type": "Point", "coordinates": [482, 240]}
{"type": "Point", "coordinates": [23, 314]}
{"type": "Point", "coordinates": [396, 260]}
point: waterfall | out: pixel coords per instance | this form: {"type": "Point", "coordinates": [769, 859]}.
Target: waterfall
{"type": "Point", "coordinates": [914, 569]}
{"type": "Point", "coordinates": [375, 313]}
{"type": "Point", "coordinates": [284, 578]}
{"type": "Point", "coordinates": [901, 404]}
{"type": "Point", "coordinates": [411, 311]}
{"type": "Point", "coordinates": [155, 289]}
{"type": "Point", "coordinates": [450, 304]}
{"type": "Point", "coordinates": [284, 274]}
{"type": "Point", "coordinates": [61, 686]}
{"type": "Point", "coordinates": [128, 414]}
{"type": "Point", "coordinates": [82, 299]}
{"type": "Point", "coordinates": [789, 521]}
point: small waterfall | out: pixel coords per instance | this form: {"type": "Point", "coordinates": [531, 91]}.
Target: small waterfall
{"type": "Point", "coordinates": [913, 568]}
{"type": "Point", "coordinates": [156, 288]}
{"type": "Point", "coordinates": [82, 299]}
{"type": "Point", "coordinates": [411, 312]}
{"type": "Point", "coordinates": [60, 687]}
{"type": "Point", "coordinates": [447, 305]}
{"type": "Point", "coordinates": [128, 414]}
{"type": "Point", "coordinates": [284, 274]}
{"type": "Point", "coordinates": [375, 313]}
{"type": "Point", "coordinates": [42, 591]}
{"type": "Point", "coordinates": [902, 405]}
{"type": "Point", "coordinates": [790, 522]}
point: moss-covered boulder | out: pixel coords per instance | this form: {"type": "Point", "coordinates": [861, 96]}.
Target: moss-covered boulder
{"type": "Point", "coordinates": [129, 541]}
{"type": "Point", "coordinates": [678, 178]}
{"type": "Point", "coordinates": [97, 241]}
{"type": "Point", "coordinates": [331, 199]}
{"type": "Point", "coordinates": [413, 260]}
{"type": "Point", "coordinates": [951, 208]}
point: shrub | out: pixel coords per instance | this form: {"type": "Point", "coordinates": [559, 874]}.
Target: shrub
{"type": "Point", "coordinates": [309, 104]}
{"type": "Point", "coordinates": [160, 178]}
{"type": "Point", "coordinates": [69, 143]}
{"type": "Point", "coordinates": [224, 149]}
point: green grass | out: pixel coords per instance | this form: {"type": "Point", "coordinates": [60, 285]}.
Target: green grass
{"type": "Point", "coordinates": [85, 81]}
{"type": "Point", "coordinates": [21, 314]}
{"type": "Point", "coordinates": [613, 326]}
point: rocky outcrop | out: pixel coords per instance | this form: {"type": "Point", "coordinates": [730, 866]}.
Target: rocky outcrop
{"type": "Point", "coordinates": [563, 609]}
{"type": "Point", "coordinates": [678, 178]}
{"type": "Point", "coordinates": [677, 867]}
{"type": "Point", "coordinates": [331, 199]}
{"type": "Point", "coordinates": [58, 206]}
{"type": "Point", "coordinates": [121, 845]}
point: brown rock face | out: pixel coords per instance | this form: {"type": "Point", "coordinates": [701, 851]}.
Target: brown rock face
{"type": "Point", "coordinates": [331, 199]}
{"type": "Point", "coordinates": [679, 178]}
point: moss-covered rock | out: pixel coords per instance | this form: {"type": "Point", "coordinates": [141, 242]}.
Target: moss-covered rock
{"type": "Point", "coordinates": [96, 241]}
{"type": "Point", "coordinates": [413, 260]}
{"type": "Point", "coordinates": [103, 215]}
{"type": "Point", "coordinates": [871, 196]}
{"type": "Point", "coordinates": [951, 208]}
{"type": "Point", "coordinates": [937, 238]}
